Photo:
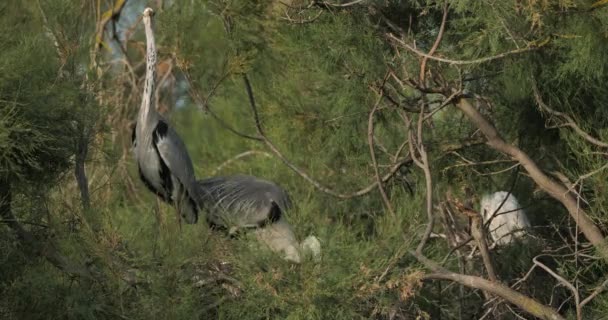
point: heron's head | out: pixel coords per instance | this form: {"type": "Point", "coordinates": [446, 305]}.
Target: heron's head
{"type": "Point", "coordinates": [190, 214]}
{"type": "Point", "coordinates": [148, 12]}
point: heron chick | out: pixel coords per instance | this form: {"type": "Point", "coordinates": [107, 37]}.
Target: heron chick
{"type": "Point", "coordinates": [162, 159]}
{"type": "Point", "coordinates": [507, 222]}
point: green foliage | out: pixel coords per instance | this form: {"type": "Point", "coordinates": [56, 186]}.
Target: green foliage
{"type": "Point", "coordinates": [315, 83]}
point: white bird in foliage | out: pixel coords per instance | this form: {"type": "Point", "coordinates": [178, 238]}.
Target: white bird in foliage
{"type": "Point", "coordinates": [245, 202]}
{"type": "Point", "coordinates": [163, 161]}
{"type": "Point", "coordinates": [507, 220]}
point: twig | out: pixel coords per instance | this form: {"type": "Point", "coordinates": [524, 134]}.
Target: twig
{"type": "Point", "coordinates": [339, 5]}
{"type": "Point", "coordinates": [239, 156]}
{"type": "Point", "coordinates": [525, 303]}
{"type": "Point", "coordinates": [301, 21]}
{"type": "Point", "coordinates": [423, 163]}
{"type": "Point", "coordinates": [301, 173]}
{"type": "Point", "coordinates": [370, 141]}
{"type": "Point", "coordinates": [569, 122]}
{"type": "Point", "coordinates": [595, 292]}
{"type": "Point", "coordinates": [564, 282]}
{"type": "Point", "coordinates": [205, 107]}
{"type": "Point", "coordinates": [435, 45]}
{"type": "Point", "coordinates": [553, 188]}
{"type": "Point", "coordinates": [462, 62]}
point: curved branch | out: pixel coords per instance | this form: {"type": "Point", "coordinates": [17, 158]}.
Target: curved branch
{"type": "Point", "coordinates": [553, 188]}
{"type": "Point", "coordinates": [462, 62]}
{"type": "Point", "coordinates": [568, 121]}
{"type": "Point", "coordinates": [370, 141]}
{"type": "Point", "coordinates": [237, 157]}
{"type": "Point", "coordinates": [435, 45]}
{"type": "Point", "coordinates": [303, 174]}
{"type": "Point", "coordinates": [525, 303]}
{"type": "Point", "coordinates": [566, 283]}
{"type": "Point", "coordinates": [204, 106]}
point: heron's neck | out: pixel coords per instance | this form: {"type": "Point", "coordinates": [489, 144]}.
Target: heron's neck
{"type": "Point", "coordinates": [147, 109]}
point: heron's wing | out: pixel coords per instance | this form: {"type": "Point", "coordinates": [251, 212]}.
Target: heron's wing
{"type": "Point", "coordinates": [247, 200]}
{"type": "Point", "coordinates": [173, 152]}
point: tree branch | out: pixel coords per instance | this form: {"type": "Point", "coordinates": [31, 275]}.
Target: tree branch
{"type": "Point", "coordinates": [463, 62]}
{"type": "Point", "coordinates": [435, 45]}
{"type": "Point", "coordinates": [553, 188]}
{"type": "Point", "coordinates": [568, 121]}
{"type": "Point", "coordinates": [372, 153]}
{"type": "Point", "coordinates": [564, 282]}
{"type": "Point", "coordinates": [527, 304]}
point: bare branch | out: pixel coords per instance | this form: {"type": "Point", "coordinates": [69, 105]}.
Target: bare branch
{"type": "Point", "coordinates": [423, 163]}
{"type": "Point", "coordinates": [237, 157]}
{"type": "Point", "coordinates": [204, 106]}
{"type": "Point", "coordinates": [564, 282]}
{"type": "Point", "coordinates": [339, 5]}
{"type": "Point", "coordinates": [301, 173]}
{"type": "Point", "coordinates": [370, 141]}
{"type": "Point", "coordinates": [601, 288]}
{"type": "Point", "coordinates": [553, 188]}
{"type": "Point", "coordinates": [567, 120]}
{"type": "Point", "coordinates": [525, 303]}
{"type": "Point", "coordinates": [463, 62]}
{"type": "Point", "coordinates": [435, 45]}
{"type": "Point", "coordinates": [478, 233]}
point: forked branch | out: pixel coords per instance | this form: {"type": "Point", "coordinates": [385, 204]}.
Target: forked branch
{"type": "Point", "coordinates": [527, 304]}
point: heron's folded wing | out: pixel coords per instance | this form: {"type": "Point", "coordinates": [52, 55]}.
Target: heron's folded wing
{"type": "Point", "coordinates": [175, 155]}
{"type": "Point", "coordinates": [247, 199]}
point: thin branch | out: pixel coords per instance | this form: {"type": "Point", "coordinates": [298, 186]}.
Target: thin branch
{"type": "Point", "coordinates": [463, 62]}
{"type": "Point", "coordinates": [478, 233]}
{"type": "Point", "coordinates": [553, 188]}
{"type": "Point", "coordinates": [301, 21]}
{"type": "Point", "coordinates": [568, 121]}
{"type": "Point", "coordinates": [423, 163]}
{"type": "Point", "coordinates": [339, 5]}
{"type": "Point", "coordinates": [370, 141]}
{"type": "Point", "coordinates": [203, 105]}
{"type": "Point", "coordinates": [601, 288]}
{"type": "Point", "coordinates": [564, 282]}
{"type": "Point", "coordinates": [435, 45]}
{"type": "Point", "coordinates": [303, 174]}
{"type": "Point", "coordinates": [525, 303]}
{"type": "Point", "coordinates": [237, 157]}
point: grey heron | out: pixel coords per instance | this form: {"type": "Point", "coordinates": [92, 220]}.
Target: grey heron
{"type": "Point", "coordinates": [233, 202]}
{"type": "Point", "coordinates": [506, 223]}
{"type": "Point", "coordinates": [246, 202]}
{"type": "Point", "coordinates": [163, 161]}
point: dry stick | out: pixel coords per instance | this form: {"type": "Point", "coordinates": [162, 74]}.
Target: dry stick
{"type": "Point", "coordinates": [339, 5]}
{"type": "Point", "coordinates": [239, 156]}
{"type": "Point", "coordinates": [525, 303]}
{"type": "Point", "coordinates": [424, 165]}
{"type": "Point", "coordinates": [372, 154]}
{"type": "Point", "coordinates": [569, 122]}
{"type": "Point", "coordinates": [301, 173]}
{"type": "Point", "coordinates": [564, 282]}
{"type": "Point", "coordinates": [462, 62]}
{"type": "Point", "coordinates": [477, 231]}
{"type": "Point", "coordinates": [553, 188]}
{"type": "Point", "coordinates": [595, 293]}
{"type": "Point", "coordinates": [435, 45]}
{"type": "Point", "coordinates": [205, 107]}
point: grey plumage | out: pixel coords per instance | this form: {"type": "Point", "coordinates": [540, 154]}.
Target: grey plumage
{"type": "Point", "coordinates": [162, 158]}
{"type": "Point", "coordinates": [244, 202]}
